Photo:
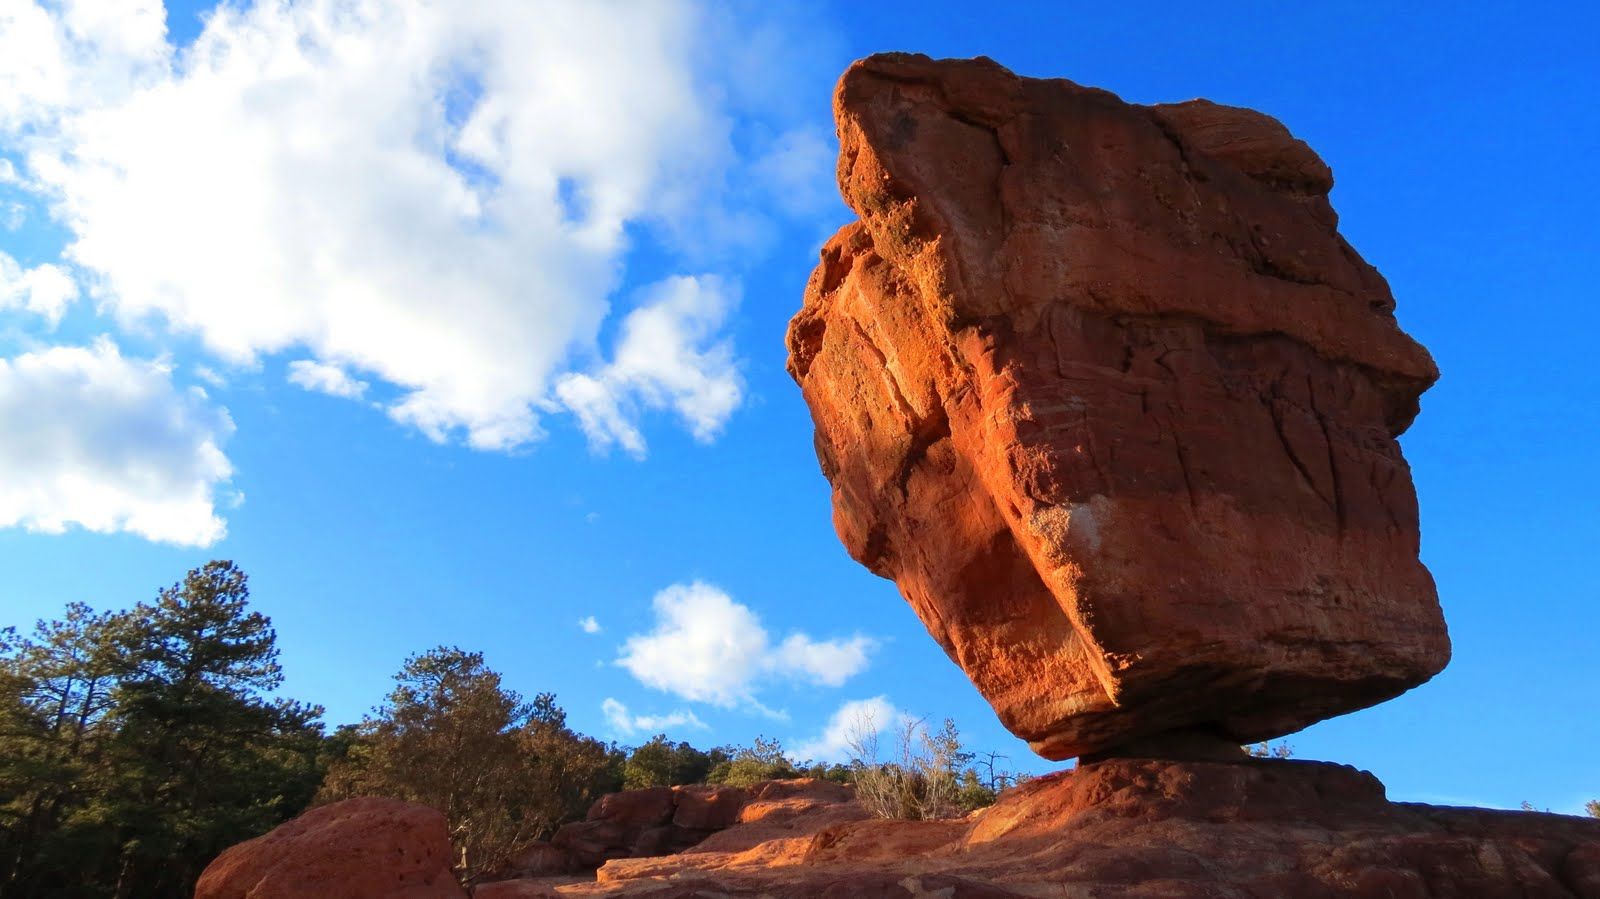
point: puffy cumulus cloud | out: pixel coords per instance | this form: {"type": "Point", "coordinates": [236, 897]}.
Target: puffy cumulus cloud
{"type": "Point", "coordinates": [44, 290]}
{"type": "Point", "coordinates": [321, 377]}
{"type": "Point", "coordinates": [109, 444]}
{"type": "Point", "coordinates": [625, 724]}
{"type": "Point", "coordinates": [441, 194]}
{"type": "Point", "coordinates": [706, 647]}
{"type": "Point", "coordinates": [589, 625]}
{"type": "Point", "coordinates": [854, 727]}
{"type": "Point", "coordinates": [59, 57]}
{"type": "Point", "coordinates": [667, 356]}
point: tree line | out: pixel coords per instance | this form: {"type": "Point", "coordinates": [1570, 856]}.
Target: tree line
{"type": "Point", "coordinates": [136, 745]}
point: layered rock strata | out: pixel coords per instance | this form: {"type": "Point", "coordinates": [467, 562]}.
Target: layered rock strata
{"type": "Point", "coordinates": [1103, 390]}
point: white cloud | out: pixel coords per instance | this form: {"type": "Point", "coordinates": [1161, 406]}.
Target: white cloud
{"type": "Point", "coordinates": [210, 375]}
{"type": "Point", "coordinates": [797, 170]}
{"type": "Point", "coordinates": [109, 444]}
{"type": "Point", "coordinates": [324, 378]}
{"type": "Point", "coordinates": [624, 724]}
{"type": "Point", "coordinates": [855, 722]}
{"type": "Point", "coordinates": [826, 662]}
{"type": "Point", "coordinates": [666, 357]}
{"type": "Point", "coordinates": [707, 648]}
{"type": "Point", "coordinates": [45, 289]}
{"type": "Point", "coordinates": [440, 195]}
{"type": "Point", "coordinates": [589, 625]}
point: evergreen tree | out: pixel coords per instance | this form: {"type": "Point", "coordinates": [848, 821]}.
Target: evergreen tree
{"type": "Point", "coordinates": [503, 772]}
{"type": "Point", "coordinates": [762, 760]}
{"type": "Point", "coordinates": [138, 745]}
{"type": "Point", "coordinates": [659, 762]}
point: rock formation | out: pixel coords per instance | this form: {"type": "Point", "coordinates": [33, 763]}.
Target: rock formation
{"type": "Point", "coordinates": [654, 821]}
{"type": "Point", "coordinates": [1116, 829]}
{"type": "Point", "coordinates": [1120, 829]}
{"type": "Point", "coordinates": [355, 849]}
{"type": "Point", "coordinates": [1103, 390]}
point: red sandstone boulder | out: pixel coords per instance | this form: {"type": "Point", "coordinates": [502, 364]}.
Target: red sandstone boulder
{"type": "Point", "coordinates": [636, 808]}
{"type": "Point", "coordinates": [355, 849]}
{"type": "Point", "coordinates": [708, 807]}
{"type": "Point", "coordinates": [1104, 391]}
{"type": "Point", "coordinates": [649, 822]}
{"type": "Point", "coordinates": [539, 858]}
{"type": "Point", "coordinates": [590, 843]}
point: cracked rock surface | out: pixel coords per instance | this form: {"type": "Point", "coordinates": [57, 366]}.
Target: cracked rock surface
{"type": "Point", "coordinates": [1103, 390]}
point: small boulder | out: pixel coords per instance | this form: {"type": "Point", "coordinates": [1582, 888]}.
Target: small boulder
{"type": "Point", "coordinates": [590, 843]}
{"type": "Point", "coordinates": [708, 807]}
{"type": "Point", "coordinates": [540, 858]}
{"type": "Point", "coordinates": [637, 808]}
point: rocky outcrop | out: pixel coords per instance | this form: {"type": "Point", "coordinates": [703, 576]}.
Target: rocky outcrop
{"type": "Point", "coordinates": [1117, 829]}
{"type": "Point", "coordinates": [1101, 387]}
{"type": "Point", "coordinates": [355, 849]}
{"type": "Point", "coordinates": [1125, 828]}
{"type": "Point", "coordinates": [653, 821]}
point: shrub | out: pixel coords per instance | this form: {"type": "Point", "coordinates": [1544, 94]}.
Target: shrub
{"type": "Point", "coordinates": [922, 781]}
{"type": "Point", "coordinates": [762, 760]}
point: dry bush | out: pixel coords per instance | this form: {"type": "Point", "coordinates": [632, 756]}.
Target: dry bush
{"type": "Point", "coordinates": [920, 781]}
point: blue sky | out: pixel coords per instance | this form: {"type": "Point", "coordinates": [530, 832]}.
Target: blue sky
{"type": "Point", "coordinates": [547, 256]}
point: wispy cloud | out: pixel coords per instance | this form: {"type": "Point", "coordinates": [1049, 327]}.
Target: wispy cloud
{"type": "Point", "coordinates": [854, 723]}
{"type": "Point", "coordinates": [625, 724]}
{"type": "Point", "coordinates": [320, 377]}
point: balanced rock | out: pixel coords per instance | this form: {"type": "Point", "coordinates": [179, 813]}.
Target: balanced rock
{"type": "Point", "coordinates": [1101, 387]}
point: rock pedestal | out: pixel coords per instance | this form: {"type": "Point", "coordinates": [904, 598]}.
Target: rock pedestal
{"type": "Point", "coordinates": [1103, 390]}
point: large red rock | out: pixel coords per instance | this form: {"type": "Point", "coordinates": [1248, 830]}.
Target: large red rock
{"type": "Point", "coordinates": [355, 849]}
{"type": "Point", "coordinates": [1104, 391]}
{"type": "Point", "coordinates": [1132, 829]}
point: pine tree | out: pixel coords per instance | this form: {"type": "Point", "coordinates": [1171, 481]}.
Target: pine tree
{"type": "Point", "coordinates": [135, 746]}
{"type": "Point", "coordinates": [451, 736]}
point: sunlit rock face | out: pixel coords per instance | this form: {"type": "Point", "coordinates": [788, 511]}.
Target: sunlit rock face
{"type": "Point", "coordinates": [1103, 390]}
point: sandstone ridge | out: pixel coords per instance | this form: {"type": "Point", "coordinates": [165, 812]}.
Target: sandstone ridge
{"type": "Point", "coordinates": [1103, 390]}
{"type": "Point", "coordinates": [1118, 829]}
